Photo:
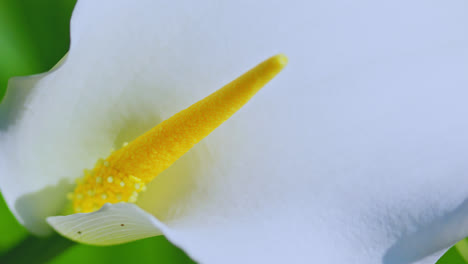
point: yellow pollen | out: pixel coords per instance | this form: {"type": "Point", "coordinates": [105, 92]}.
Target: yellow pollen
{"type": "Point", "coordinates": [133, 198]}
{"type": "Point", "coordinates": [133, 178]}
{"type": "Point", "coordinates": [140, 161]}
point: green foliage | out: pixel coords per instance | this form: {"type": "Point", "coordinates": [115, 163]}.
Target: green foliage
{"type": "Point", "coordinates": [34, 35]}
{"type": "Point", "coordinates": [12, 232]}
{"type": "Point", "coordinates": [151, 250]}
{"type": "Point", "coordinates": [452, 256]}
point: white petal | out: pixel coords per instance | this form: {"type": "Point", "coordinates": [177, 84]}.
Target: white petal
{"type": "Point", "coordinates": [112, 224]}
{"type": "Point", "coordinates": [356, 153]}
{"type": "Point", "coordinates": [19, 182]}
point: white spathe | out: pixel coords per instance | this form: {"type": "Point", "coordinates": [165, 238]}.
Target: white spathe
{"type": "Point", "coordinates": [355, 153]}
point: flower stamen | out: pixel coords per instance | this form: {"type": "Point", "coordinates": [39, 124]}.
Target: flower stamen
{"type": "Point", "coordinates": [140, 161]}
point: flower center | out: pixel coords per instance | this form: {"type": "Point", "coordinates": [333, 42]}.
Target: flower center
{"type": "Point", "coordinates": [125, 173]}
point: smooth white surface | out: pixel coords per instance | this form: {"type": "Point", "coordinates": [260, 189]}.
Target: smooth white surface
{"type": "Point", "coordinates": [356, 153]}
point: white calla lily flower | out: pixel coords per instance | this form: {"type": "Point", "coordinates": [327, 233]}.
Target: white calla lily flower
{"type": "Point", "coordinates": [355, 153]}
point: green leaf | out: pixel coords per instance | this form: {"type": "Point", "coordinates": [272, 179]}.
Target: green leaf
{"type": "Point", "coordinates": [34, 35]}
{"type": "Point", "coordinates": [36, 250]}
{"type": "Point", "coordinates": [12, 232]}
{"type": "Point", "coordinates": [453, 256]}
{"type": "Point", "coordinates": [151, 250]}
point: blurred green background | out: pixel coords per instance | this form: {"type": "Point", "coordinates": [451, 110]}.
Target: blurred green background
{"type": "Point", "coordinates": [34, 35]}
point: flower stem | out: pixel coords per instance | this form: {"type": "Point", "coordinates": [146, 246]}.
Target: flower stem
{"type": "Point", "coordinates": [36, 250]}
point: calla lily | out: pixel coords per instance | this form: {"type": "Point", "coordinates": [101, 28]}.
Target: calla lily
{"type": "Point", "coordinates": [355, 153]}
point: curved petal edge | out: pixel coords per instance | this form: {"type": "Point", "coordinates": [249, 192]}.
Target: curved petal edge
{"type": "Point", "coordinates": [112, 224]}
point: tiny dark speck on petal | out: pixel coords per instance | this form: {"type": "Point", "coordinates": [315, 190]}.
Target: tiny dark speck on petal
{"type": "Point", "coordinates": [121, 224]}
{"type": "Point", "coordinates": [79, 232]}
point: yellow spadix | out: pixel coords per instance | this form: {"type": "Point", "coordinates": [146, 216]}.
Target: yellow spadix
{"type": "Point", "coordinates": [126, 171]}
